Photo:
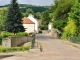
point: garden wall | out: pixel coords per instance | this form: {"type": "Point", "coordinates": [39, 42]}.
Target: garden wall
{"type": "Point", "coordinates": [15, 41]}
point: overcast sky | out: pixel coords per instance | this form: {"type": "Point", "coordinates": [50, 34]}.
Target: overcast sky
{"type": "Point", "coordinates": [32, 2]}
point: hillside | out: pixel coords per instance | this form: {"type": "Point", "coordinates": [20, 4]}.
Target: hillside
{"type": "Point", "coordinates": [24, 7]}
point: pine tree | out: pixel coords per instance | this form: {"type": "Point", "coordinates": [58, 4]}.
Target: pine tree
{"type": "Point", "coordinates": [14, 18]}
{"type": "Point", "coordinates": [75, 15]}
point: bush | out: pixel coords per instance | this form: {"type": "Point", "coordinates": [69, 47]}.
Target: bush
{"type": "Point", "coordinates": [43, 27]}
{"type": "Point", "coordinates": [22, 34]}
{"type": "Point", "coordinates": [75, 40]}
{"type": "Point", "coordinates": [6, 34]}
{"type": "Point", "coordinates": [0, 39]}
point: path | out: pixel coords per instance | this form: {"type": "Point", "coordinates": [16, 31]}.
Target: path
{"type": "Point", "coordinates": [53, 49]}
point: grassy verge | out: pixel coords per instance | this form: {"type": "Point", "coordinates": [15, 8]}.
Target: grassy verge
{"type": "Point", "coordinates": [14, 49]}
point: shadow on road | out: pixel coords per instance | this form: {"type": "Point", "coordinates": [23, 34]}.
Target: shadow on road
{"type": "Point", "coordinates": [5, 56]}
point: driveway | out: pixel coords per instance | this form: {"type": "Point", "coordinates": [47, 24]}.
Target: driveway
{"type": "Point", "coordinates": [53, 49]}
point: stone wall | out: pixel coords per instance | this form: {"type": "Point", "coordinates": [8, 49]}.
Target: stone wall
{"type": "Point", "coordinates": [15, 41]}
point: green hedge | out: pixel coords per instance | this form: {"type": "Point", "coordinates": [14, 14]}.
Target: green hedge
{"type": "Point", "coordinates": [22, 34]}
{"type": "Point", "coordinates": [14, 49]}
{"type": "Point", "coordinates": [7, 34]}
{"type": "Point", "coordinates": [75, 40]}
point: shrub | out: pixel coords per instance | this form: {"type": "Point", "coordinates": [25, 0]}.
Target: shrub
{"type": "Point", "coordinates": [6, 34]}
{"type": "Point", "coordinates": [75, 39]}
{"type": "Point", "coordinates": [0, 39]}
{"type": "Point", "coordinates": [22, 34]}
{"type": "Point", "coordinates": [70, 29]}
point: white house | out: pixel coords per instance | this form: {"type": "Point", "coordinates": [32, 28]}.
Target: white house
{"type": "Point", "coordinates": [30, 24]}
{"type": "Point", "coordinates": [49, 27]}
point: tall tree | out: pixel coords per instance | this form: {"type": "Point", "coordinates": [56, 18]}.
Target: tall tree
{"type": "Point", "coordinates": [3, 13]}
{"type": "Point", "coordinates": [14, 18]}
{"type": "Point", "coordinates": [75, 15]}
{"type": "Point", "coordinates": [45, 19]}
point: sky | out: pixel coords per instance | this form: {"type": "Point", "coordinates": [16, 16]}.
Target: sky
{"type": "Point", "coordinates": [32, 2]}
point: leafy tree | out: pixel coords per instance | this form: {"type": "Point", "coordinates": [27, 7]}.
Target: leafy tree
{"type": "Point", "coordinates": [75, 15]}
{"type": "Point", "coordinates": [37, 15]}
{"type": "Point", "coordinates": [3, 13]}
{"type": "Point", "coordinates": [60, 24]}
{"type": "Point", "coordinates": [70, 29]}
{"type": "Point", "coordinates": [62, 7]}
{"type": "Point", "coordinates": [29, 11]}
{"type": "Point", "coordinates": [45, 19]}
{"type": "Point", "coordinates": [14, 18]}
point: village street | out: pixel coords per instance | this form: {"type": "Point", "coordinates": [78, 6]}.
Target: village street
{"type": "Point", "coordinates": [53, 49]}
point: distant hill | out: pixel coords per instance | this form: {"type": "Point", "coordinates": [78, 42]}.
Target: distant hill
{"type": "Point", "coordinates": [35, 9]}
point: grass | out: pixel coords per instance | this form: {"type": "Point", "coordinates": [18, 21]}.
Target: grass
{"type": "Point", "coordinates": [14, 49]}
{"type": "Point", "coordinates": [3, 8]}
{"type": "Point", "coordinates": [0, 46]}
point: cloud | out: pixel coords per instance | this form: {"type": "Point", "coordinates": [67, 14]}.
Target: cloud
{"type": "Point", "coordinates": [33, 2]}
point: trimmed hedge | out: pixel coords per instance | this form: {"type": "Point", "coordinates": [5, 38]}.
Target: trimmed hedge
{"type": "Point", "coordinates": [22, 34]}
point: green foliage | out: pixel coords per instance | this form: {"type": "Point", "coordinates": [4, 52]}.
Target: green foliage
{"type": "Point", "coordinates": [14, 18]}
{"type": "Point", "coordinates": [75, 40]}
{"type": "Point", "coordinates": [29, 11]}
{"type": "Point", "coordinates": [75, 15]}
{"type": "Point", "coordinates": [14, 49]}
{"type": "Point", "coordinates": [70, 29]}
{"type": "Point", "coordinates": [60, 24]}
{"type": "Point", "coordinates": [45, 19]}
{"type": "Point", "coordinates": [22, 34]}
{"type": "Point", "coordinates": [37, 15]}
{"type": "Point", "coordinates": [8, 34]}
{"type": "Point", "coordinates": [62, 7]}
{"type": "Point", "coordinates": [4, 35]}
{"type": "Point", "coordinates": [3, 13]}
{"type": "Point", "coordinates": [43, 27]}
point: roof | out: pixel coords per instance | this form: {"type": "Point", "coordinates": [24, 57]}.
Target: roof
{"type": "Point", "coordinates": [27, 21]}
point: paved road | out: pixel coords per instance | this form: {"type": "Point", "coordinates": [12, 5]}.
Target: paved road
{"type": "Point", "coordinates": [53, 49]}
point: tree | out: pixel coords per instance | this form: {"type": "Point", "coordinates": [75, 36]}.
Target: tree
{"type": "Point", "coordinates": [61, 9]}
{"type": "Point", "coordinates": [14, 18]}
{"type": "Point", "coordinates": [3, 13]}
{"type": "Point", "coordinates": [70, 29]}
{"type": "Point", "coordinates": [45, 19]}
{"type": "Point", "coordinates": [29, 11]}
{"type": "Point", "coordinates": [75, 15]}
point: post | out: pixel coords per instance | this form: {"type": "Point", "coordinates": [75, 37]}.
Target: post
{"type": "Point", "coordinates": [33, 40]}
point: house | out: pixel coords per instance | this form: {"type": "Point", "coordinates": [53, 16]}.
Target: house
{"type": "Point", "coordinates": [49, 27]}
{"type": "Point", "coordinates": [30, 24]}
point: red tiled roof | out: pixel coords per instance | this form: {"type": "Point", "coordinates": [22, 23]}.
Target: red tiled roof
{"type": "Point", "coordinates": [27, 21]}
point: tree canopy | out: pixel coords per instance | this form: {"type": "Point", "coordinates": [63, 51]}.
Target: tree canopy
{"type": "Point", "coordinates": [14, 18]}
